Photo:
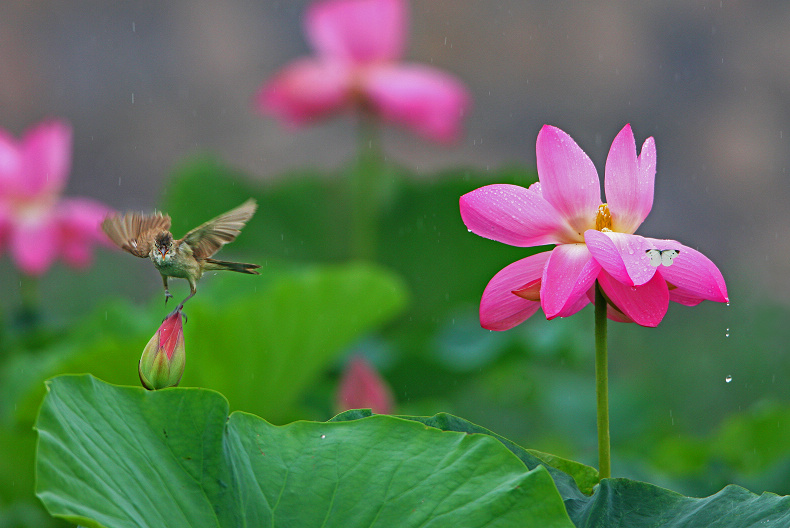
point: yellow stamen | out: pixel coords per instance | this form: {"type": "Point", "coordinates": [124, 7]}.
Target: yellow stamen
{"type": "Point", "coordinates": [603, 220]}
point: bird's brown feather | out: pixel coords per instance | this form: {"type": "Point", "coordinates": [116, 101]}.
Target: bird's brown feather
{"type": "Point", "coordinates": [135, 232]}
{"type": "Point", "coordinates": [207, 238]}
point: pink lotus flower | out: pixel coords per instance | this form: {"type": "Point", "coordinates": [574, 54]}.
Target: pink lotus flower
{"type": "Point", "coordinates": [594, 241]}
{"type": "Point", "coordinates": [363, 388]}
{"type": "Point", "coordinates": [358, 44]}
{"type": "Point", "coordinates": [35, 222]}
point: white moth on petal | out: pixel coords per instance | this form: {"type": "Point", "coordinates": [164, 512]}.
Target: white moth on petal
{"type": "Point", "coordinates": [662, 256]}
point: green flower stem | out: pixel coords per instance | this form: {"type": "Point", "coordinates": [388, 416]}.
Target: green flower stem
{"type": "Point", "coordinates": [363, 190]}
{"type": "Point", "coordinates": [602, 385]}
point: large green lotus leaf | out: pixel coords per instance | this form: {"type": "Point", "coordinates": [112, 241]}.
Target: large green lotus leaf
{"type": "Point", "coordinates": [124, 457]}
{"type": "Point", "coordinates": [262, 351]}
{"type": "Point", "coordinates": [624, 502]}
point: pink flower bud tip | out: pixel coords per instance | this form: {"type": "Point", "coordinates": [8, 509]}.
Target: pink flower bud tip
{"type": "Point", "coordinates": [363, 388]}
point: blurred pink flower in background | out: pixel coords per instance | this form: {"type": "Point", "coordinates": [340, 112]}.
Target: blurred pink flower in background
{"type": "Point", "coordinates": [358, 45]}
{"type": "Point", "coordinates": [594, 241]}
{"type": "Point", "coordinates": [361, 387]}
{"type": "Point", "coordinates": [36, 223]}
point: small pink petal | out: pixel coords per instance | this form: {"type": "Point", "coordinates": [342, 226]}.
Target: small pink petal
{"type": "Point", "coordinates": [358, 30]}
{"type": "Point", "coordinates": [568, 274]}
{"type": "Point", "coordinates": [306, 90]}
{"type": "Point", "coordinates": [568, 178]}
{"type": "Point", "coordinates": [46, 158]}
{"type": "Point", "coordinates": [511, 214]}
{"type": "Point", "coordinates": [361, 387]}
{"type": "Point", "coordinates": [629, 181]}
{"type": "Point", "coordinates": [35, 244]}
{"type": "Point", "coordinates": [694, 274]}
{"type": "Point", "coordinates": [429, 101]}
{"type": "Point", "coordinates": [646, 305]}
{"type": "Point", "coordinates": [500, 308]}
{"type": "Point", "coordinates": [623, 256]}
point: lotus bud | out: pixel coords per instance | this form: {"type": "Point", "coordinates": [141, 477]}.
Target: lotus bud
{"type": "Point", "coordinates": [363, 388]}
{"type": "Point", "coordinates": [162, 363]}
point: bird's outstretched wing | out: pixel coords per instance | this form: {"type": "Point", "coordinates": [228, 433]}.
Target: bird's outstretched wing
{"type": "Point", "coordinates": [206, 239]}
{"type": "Point", "coordinates": [134, 232]}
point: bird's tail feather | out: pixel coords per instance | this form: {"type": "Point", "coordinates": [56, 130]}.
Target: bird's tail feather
{"type": "Point", "coordinates": [211, 264]}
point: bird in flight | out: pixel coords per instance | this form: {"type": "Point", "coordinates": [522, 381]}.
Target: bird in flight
{"type": "Point", "coordinates": [148, 236]}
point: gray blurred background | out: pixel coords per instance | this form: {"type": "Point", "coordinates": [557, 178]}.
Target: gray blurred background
{"type": "Point", "coordinates": [147, 83]}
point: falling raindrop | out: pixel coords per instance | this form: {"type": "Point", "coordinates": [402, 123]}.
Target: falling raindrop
{"type": "Point", "coordinates": [728, 379]}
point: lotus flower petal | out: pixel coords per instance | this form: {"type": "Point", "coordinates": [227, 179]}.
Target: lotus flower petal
{"type": "Point", "coordinates": [35, 244]}
{"type": "Point", "coordinates": [693, 274]}
{"type": "Point", "coordinates": [10, 164]}
{"type": "Point", "coordinates": [79, 220]}
{"type": "Point", "coordinates": [500, 308]}
{"type": "Point", "coordinates": [358, 30]}
{"type": "Point", "coordinates": [512, 215]}
{"type": "Point", "coordinates": [646, 305]}
{"type": "Point", "coordinates": [621, 255]}
{"type": "Point", "coordinates": [46, 159]}
{"type": "Point", "coordinates": [568, 274]}
{"type": "Point", "coordinates": [429, 101]}
{"type": "Point", "coordinates": [568, 179]}
{"type": "Point", "coordinates": [629, 181]}
{"type": "Point", "coordinates": [306, 90]}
